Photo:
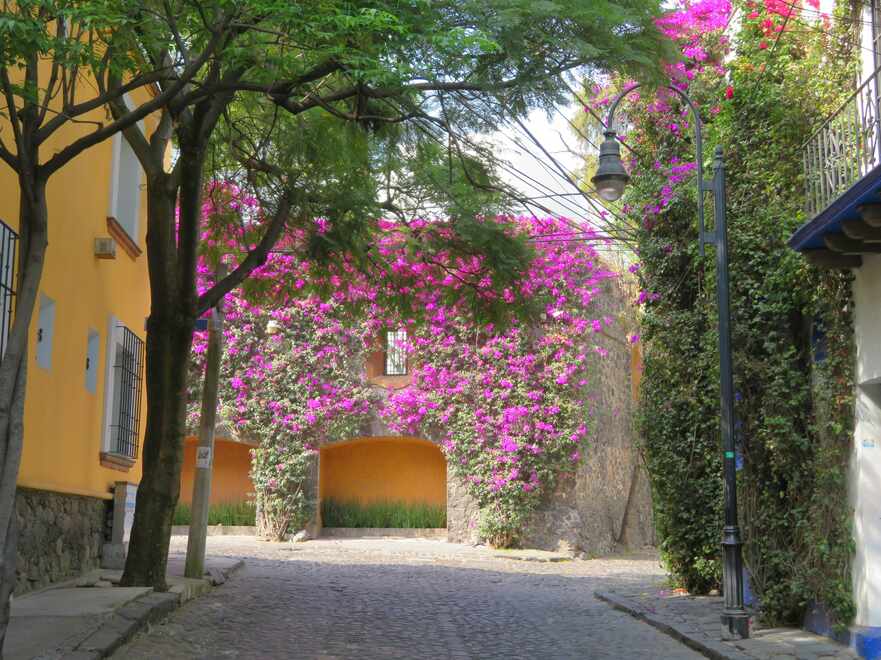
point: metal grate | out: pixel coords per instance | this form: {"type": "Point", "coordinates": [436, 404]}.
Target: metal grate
{"type": "Point", "coordinates": [845, 149]}
{"type": "Point", "coordinates": [128, 372]}
{"type": "Point", "coordinates": [396, 353]}
{"type": "Point", "coordinates": [8, 244]}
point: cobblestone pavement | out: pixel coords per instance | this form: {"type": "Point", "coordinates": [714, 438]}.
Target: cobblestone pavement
{"type": "Point", "coordinates": [348, 599]}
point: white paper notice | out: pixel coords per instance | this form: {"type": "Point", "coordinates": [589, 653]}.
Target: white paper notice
{"type": "Point", "coordinates": [203, 457]}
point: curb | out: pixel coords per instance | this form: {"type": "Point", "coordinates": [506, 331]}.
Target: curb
{"type": "Point", "coordinates": [217, 530]}
{"type": "Point", "coordinates": [716, 650]}
{"type": "Point", "coordinates": [133, 617]}
{"type": "Point", "coordinates": [541, 560]}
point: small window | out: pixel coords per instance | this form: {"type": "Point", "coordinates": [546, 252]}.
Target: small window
{"type": "Point", "coordinates": [396, 353]}
{"type": "Point", "coordinates": [45, 331]}
{"type": "Point", "coordinates": [125, 377]}
{"type": "Point", "coordinates": [125, 187]}
{"type": "Point", "coordinates": [92, 344]}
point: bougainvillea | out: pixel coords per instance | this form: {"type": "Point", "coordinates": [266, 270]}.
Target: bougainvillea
{"type": "Point", "coordinates": [760, 98]}
{"type": "Point", "coordinates": [507, 402]}
{"type": "Point", "coordinates": [292, 380]}
{"type": "Point", "coordinates": [291, 371]}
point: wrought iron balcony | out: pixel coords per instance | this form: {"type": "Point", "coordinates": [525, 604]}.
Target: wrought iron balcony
{"type": "Point", "coordinates": [845, 149]}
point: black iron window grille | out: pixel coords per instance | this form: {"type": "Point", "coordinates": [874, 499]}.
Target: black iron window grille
{"type": "Point", "coordinates": [8, 244]}
{"type": "Point", "coordinates": [128, 376]}
{"type": "Point", "coordinates": [396, 353]}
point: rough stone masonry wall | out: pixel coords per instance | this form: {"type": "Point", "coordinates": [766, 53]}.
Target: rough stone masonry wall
{"type": "Point", "coordinates": [606, 504]}
{"type": "Point", "coordinates": [59, 536]}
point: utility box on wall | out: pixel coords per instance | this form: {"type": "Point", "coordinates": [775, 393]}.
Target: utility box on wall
{"type": "Point", "coordinates": [121, 520]}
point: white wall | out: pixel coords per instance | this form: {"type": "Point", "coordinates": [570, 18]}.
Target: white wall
{"type": "Point", "coordinates": [865, 470]}
{"type": "Point", "coordinates": [867, 57]}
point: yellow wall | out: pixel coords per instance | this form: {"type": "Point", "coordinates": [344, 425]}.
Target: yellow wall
{"type": "Point", "coordinates": [370, 469]}
{"type": "Point", "coordinates": [230, 480]}
{"type": "Point", "coordinates": [63, 420]}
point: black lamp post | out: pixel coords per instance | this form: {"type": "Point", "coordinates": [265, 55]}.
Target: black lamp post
{"type": "Point", "coordinates": [610, 179]}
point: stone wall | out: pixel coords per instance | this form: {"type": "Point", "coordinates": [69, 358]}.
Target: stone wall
{"type": "Point", "coordinates": [59, 536]}
{"type": "Point", "coordinates": [606, 504]}
{"type": "Point", "coordinates": [462, 512]}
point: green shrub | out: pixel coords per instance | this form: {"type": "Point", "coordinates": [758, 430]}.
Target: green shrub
{"type": "Point", "coordinates": [222, 513]}
{"type": "Point", "coordinates": [401, 515]}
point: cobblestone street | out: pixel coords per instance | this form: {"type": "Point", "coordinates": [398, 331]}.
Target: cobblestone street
{"type": "Point", "coordinates": [411, 599]}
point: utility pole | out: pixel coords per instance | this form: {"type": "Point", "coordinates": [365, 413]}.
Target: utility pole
{"type": "Point", "coordinates": [195, 563]}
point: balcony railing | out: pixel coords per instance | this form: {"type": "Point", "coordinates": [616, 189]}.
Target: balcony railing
{"type": "Point", "coordinates": [845, 148]}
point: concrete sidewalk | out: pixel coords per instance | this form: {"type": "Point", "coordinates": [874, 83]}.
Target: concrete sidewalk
{"type": "Point", "coordinates": [90, 617]}
{"type": "Point", "coordinates": [695, 621]}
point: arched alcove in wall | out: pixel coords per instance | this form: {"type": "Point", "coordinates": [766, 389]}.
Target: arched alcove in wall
{"type": "Point", "coordinates": [371, 469]}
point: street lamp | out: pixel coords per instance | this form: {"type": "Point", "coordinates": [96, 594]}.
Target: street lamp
{"type": "Point", "coordinates": [610, 179]}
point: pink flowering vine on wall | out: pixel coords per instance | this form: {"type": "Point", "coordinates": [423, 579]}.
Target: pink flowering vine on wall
{"type": "Point", "coordinates": [508, 405]}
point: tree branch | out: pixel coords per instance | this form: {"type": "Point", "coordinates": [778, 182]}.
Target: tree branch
{"type": "Point", "coordinates": [256, 257]}
{"type": "Point", "coordinates": [75, 148]}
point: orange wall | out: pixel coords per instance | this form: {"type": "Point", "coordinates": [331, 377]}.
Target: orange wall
{"type": "Point", "coordinates": [370, 469]}
{"type": "Point", "coordinates": [231, 481]}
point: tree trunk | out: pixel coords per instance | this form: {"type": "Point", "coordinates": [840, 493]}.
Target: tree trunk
{"type": "Point", "coordinates": [171, 253]}
{"type": "Point", "coordinates": [169, 339]}
{"type": "Point", "coordinates": [13, 377]}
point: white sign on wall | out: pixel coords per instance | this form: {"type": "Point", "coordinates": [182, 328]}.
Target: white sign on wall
{"type": "Point", "coordinates": [203, 457]}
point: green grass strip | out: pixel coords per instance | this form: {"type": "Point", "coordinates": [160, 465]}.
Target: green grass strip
{"type": "Point", "coordinates": [222, 513]}
{"type": "Point", "coordinates": [398, 515]}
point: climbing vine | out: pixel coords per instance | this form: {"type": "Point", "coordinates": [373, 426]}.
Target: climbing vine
{"type": "Point", "coordinates": [507, 403]}
{"type": "Point", "coordinates": [760, 99]}
{"type": "Point", "coordinates": [510, 404]}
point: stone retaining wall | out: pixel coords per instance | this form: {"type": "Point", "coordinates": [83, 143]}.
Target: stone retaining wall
{"type": "Point", "coordinates": [607, 503]}
{"type": "Point", "coordinates": [59, 536]}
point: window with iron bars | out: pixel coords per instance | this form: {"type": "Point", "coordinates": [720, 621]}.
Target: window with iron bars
{"type": "Point", "coordinates": [128, 372]}
{"type": "Point", "coordinates": [396, 353]}
{"type": "Point", "coordinates": [8, 244]}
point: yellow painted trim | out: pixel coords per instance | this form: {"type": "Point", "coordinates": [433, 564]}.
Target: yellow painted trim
{"type": "Point", "coordinates": [34, 485]}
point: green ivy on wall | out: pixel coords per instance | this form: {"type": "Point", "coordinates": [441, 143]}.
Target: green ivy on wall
{"type": "Point", "coordinates": [793, 414]}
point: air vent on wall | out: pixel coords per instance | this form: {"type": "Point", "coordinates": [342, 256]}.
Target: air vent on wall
{"type": "Point", "coordinates": [105, 248]}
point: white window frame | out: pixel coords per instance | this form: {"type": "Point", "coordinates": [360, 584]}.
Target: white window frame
{"type": "Point", "coordinates": [93, 359]}
{"type": "Point", "coordinates": [45, 331]}
{"type": "Point", "coordinates": [121, 147]}
{"type": "Point", "coordinates": [395, 347]}
{"type": "Point", "coordinates": [114, 341]}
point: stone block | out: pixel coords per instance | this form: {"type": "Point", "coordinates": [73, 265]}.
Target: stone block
{"type": "Point", "coordinates": [82, 655]}
{"type": "Point", "coordinates": [115, 632]}
{"type": "Point", "coordinates": [113, 556]}
{"type": "Point", "coordinates": [161, 603]}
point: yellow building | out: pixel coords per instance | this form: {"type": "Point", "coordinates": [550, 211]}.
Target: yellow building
{"type": "Point", "coordinates": [85, 402]}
